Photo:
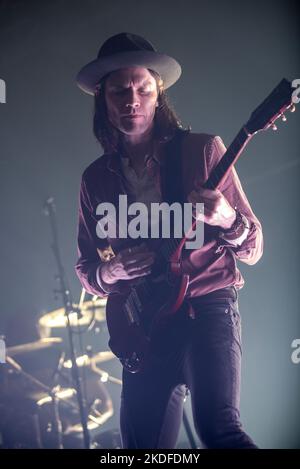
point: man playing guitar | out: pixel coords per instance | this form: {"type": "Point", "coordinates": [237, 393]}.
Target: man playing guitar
{"type": "Point", "coordinates": [200, 348]}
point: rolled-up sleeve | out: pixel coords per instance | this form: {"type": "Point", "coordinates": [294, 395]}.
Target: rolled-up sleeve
{"type": "Point", "coordinates": [250, 251]}
{"type": "Point", "coordinates": [89, 261]}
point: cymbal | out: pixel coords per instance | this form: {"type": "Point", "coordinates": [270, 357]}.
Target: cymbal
{"type": "Point", "coordinates": [57, 318]}
{"type": "Point", "coordinates": [33, 346]}
{"type": "Point", "coordinates": [85, 360]}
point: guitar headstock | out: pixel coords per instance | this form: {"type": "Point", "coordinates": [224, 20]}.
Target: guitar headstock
{"type": "Point", "coordinates": [272, 108]}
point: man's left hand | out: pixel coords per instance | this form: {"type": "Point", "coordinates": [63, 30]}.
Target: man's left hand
{"type": "Point", "coordinates": [217, 209]}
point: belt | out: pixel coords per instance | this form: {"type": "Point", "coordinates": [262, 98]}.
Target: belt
{"type": "Point", "coordinates": [221, 294]}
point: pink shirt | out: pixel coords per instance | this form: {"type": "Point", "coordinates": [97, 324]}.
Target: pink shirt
{"type": "Point", "coordinates": [211, 267]}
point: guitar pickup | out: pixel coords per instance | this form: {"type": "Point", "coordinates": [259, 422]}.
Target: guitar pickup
{"type": "Point", "coordinates": [137, 300]}
{"type": "Point", "coordinates": [132, 315]}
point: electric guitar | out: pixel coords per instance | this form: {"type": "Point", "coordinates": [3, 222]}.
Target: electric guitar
{"type": "Point", "coordinates": [133, 317]}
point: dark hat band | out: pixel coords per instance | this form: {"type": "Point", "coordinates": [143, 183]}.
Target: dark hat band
{"type": "Point", "coordinates": [124, 42]}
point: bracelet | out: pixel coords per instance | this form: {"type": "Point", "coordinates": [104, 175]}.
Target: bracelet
{"type": "Point", "coordinates": [237, 229]}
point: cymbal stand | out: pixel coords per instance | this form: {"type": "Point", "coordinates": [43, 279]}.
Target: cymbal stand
{"type": "Point", "coordinates": [49, 210]}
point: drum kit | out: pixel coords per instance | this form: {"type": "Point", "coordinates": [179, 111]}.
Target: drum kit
{"type": "Point", "coordinates": [39, 405]}
{"type": "Point", "coordinates": [51, 396]}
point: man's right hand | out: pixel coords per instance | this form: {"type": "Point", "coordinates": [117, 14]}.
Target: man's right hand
{"type": "Point", "coordinates": [128, 264]}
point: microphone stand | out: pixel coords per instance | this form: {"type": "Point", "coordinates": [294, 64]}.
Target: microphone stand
{"type": "Point", "coordinates": [188, 430]}
{"type": "Point", "coordinates": [49, 210]}
{"type": "Point", "coordinates": [187, 425]}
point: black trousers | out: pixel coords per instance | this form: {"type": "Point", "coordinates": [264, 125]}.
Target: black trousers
{"type": "Point", "coordinates": [202, 353]}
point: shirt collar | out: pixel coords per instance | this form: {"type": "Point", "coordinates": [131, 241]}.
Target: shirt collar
{"type": "Point", "coordinates": [115, 160]}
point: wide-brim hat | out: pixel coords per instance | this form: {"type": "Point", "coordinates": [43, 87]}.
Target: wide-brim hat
{"type": "Point", "coordinates": [127, 50]}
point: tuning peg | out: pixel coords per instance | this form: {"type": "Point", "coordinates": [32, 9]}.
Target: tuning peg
{"type": "Point", "coordinates": [274, 127]}
{"type": "Point", "coordinates": [283, 117]}
{"type": "Point", "coordinates": [293, 108]}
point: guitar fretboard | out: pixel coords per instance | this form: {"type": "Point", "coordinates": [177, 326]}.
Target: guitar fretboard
{"type": "Point", "coordinates": [228, 159]}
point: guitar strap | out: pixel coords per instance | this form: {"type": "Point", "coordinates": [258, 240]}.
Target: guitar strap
{"type": "Point", "coordinates": [172, 170]}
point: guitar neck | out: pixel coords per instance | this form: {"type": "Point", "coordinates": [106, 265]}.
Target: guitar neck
{"type": "Point", "coordinates": [231, 155]}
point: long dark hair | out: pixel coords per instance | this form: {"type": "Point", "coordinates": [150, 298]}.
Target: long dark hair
{"type": "Point", "coordinates": [165, 120]}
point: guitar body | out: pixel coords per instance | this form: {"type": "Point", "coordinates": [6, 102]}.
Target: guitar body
{"type": "Point", "coordinates": [133, 318]}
